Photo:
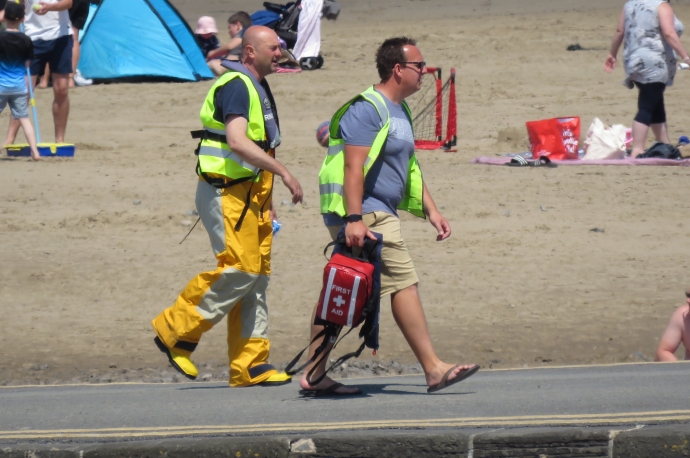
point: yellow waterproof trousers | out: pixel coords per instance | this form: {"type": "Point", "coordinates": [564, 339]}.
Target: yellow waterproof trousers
{"type": "Point", "coordinates": [238, 285]}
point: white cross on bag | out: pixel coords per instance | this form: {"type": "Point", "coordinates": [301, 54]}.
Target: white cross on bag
{"type": "Point", "coordinates": [339, 301]}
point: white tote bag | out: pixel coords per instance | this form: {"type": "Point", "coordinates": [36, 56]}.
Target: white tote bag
{"type": "Point", "coordinates": [604, 142]}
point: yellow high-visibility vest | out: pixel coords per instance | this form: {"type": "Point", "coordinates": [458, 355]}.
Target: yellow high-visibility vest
{"type": "Point", "coordinates": [332, 174]}
{"type": "Point", "coordinates": [215, 156]}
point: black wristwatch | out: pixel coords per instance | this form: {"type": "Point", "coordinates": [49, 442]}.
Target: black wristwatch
{"type": "Point", "coordinates": [353, 218]}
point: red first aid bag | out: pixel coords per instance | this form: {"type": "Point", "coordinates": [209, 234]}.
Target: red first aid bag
{"type": "Point", "coordinates": [555, 138]}
{"type": "Point", "coordinates": [347, 287]}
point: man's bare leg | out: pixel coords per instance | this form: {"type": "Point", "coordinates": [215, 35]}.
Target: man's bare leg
{"type": "Point", "coordinates": [60, 105]}
{"type": "Point", "coordinates": [43, 84]}
{"type": "Point", "coordinates": [321, 368]}
{"type": "Point", "coordinates": [13, 128]}
{"type": "Point", "coordinates": [661, 132]}
{"type": "Point", "coordinates": [409, 315]}
{"type": "Point", "coordinates": [216, 68]}
{"type": "Point", "coordinates": [76, 52]}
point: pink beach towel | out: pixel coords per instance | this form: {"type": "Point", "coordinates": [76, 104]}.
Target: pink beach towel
{"type": "Point", "coordinates": [627, 161]}
{"type": "Point", "coordinates": [288, 70]}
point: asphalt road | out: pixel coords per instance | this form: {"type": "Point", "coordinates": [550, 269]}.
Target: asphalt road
{"type": "Point", "coordinates": [628, 394]}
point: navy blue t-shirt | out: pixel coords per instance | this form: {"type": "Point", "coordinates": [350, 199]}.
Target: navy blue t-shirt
{"type": "Point", "coordinates": [233, 99]}
{"type": "Point", "coordinates": [206, 44]}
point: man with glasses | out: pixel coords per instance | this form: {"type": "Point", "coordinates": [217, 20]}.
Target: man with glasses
{"type": "Point", "coordinates": [677, 332]}
{"type": "Point", "coordinates": [370, 173]}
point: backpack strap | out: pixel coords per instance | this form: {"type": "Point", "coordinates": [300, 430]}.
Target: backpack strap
{"type": "Point", "coordinates": [338, 363]}
{"type": "Point", "coordinates": [365, 254]}
{"type": "Point", "coordinates": [327, 332]}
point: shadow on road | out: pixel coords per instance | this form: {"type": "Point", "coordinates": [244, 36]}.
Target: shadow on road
{"type": "Point", "coordinates": [397, 389]}
{"type": "Point", "coordinates": [368, 389]}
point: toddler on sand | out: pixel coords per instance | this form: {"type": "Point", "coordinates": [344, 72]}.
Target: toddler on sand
{"type": "Point", "coordinates": [16, 52]}
{"type": "Point", "coordinates": [205, 34]}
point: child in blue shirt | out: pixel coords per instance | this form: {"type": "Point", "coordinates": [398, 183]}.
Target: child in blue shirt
{"type": "Point", "coordinates": [16, 52]}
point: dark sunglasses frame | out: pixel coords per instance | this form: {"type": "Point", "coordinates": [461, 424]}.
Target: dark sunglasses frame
{"type": "Point", "coordinates": [687, 295]}
{"type": "Point", "coordinates": [420, 65]}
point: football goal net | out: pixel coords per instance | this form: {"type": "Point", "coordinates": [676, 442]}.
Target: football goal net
{"type": "Point", "coordinates": [434, 113]}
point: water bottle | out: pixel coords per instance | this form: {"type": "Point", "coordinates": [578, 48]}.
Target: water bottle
{"type": "Point", "coordinates": [276, 227]}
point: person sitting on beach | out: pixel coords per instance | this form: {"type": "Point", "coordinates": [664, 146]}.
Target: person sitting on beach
{"type": "Point", "coordinates": [238, 23]}
{"type": "Point", "coordinates": [677, 331]}
{"type": "Point", "coordinates": [205, 34]}
{"type": "Point", "coordinates": [16, 52]}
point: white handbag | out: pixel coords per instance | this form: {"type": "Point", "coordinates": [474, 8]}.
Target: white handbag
{"type": "Point", "coordinates": [604, 142]}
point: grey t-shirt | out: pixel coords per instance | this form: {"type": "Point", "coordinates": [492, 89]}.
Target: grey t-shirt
{"type": "Point", "coordinates": [237, 51]}
{"type": "Point", "coordinates": [384, 185]}
{"type": "Point", "coordinates": [647, 57]}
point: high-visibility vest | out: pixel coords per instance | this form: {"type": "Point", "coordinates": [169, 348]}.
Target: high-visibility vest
{"type": "Point", "coordinates": [332, 174]}
{"type": "Point", "coordinates": [215, 156]}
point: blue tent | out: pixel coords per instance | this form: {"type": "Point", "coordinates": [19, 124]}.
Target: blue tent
{"type": "Point", "coordinates": [92, 10]}
{"type": "Point", "coordinates": [138, 40]}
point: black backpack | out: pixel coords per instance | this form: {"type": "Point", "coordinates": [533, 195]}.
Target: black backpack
{"type": "Point", "coordinates": [661, 151]}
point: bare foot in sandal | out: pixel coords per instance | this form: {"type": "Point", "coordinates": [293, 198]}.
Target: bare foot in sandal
{"type": "Point", "coordinates": [445, 375]}
{"type": "Point", "coordinates": [328, 386]}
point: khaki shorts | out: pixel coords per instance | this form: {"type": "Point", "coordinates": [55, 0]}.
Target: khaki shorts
{"type": "Point", "coordinates": [397, 272]}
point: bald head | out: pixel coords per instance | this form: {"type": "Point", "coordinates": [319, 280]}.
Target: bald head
{"type": "Point", "coordinates": [261, 50]}
{"type": "Point", "coordinates": [257, 35]}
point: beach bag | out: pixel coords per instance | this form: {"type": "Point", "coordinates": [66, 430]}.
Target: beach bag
{"type": "Point", "coordinates": [555, 138]}
{"type": "Point", "coordinates": [350, 296]}
{"type": "Point", "coordinates": [604, 142]}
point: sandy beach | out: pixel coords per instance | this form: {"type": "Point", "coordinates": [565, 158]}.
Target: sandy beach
{"type": "Point", "coordinates": [90, 247]}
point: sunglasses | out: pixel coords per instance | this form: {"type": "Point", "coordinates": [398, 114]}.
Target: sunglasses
{"type": "Point", "coordinates": [687, 295]}
{"type": "Point", "coordinates": [420, 65]}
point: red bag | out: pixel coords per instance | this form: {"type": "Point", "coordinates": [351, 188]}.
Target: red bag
{"type": "Point", "coordinates": [556, 138]}
{"type": "Point", "coordinates": [347, 286]}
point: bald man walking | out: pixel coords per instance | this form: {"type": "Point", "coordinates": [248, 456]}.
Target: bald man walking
{"type": "Point", "coordinates": [236, 168]}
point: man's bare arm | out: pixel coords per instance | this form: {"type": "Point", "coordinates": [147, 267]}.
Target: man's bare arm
{"type": "Point", "coordinates": [671, 339]}
{"type": "Point", "coordinates": [59, 6]}
{"type": "Point", "coordinates": [248, 151]}
{"type": "Point", "coordinates": [218, 52]}
{"type": "Point", "coordinates": [355, 156]}
{"type": "Point", "coordinates": [435, 217]}
{"type": "Point", "coordinates": [223, 50]}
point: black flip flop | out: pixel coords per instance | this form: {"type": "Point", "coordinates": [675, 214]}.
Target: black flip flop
{"type": "Point", "coordinates": [518, 161]}
{"type": "Point", "coordinates": [459, 378]}
{"type": "Point", "coordinates": [329, 392]}
{"type": "Point", "coordinates": [543, 161]}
